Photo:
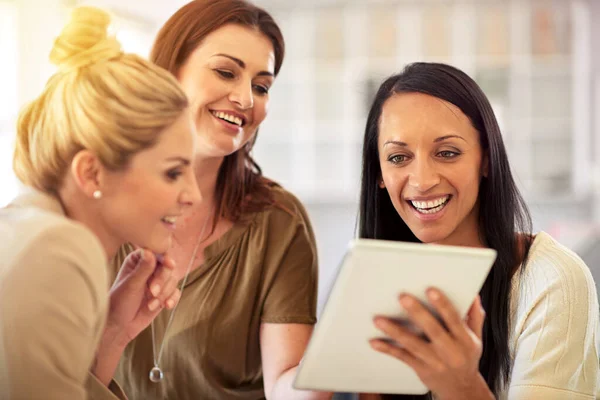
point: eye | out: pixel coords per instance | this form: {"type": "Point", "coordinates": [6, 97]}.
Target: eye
{"type": "Point", "coordinates": [447, 154]}
{"type": "Point", "coordinates": [397, 159]}
{"type": "Point", "coordinates": [225, 74]}
{"type": "Point", "coordinates": [260, 89]}
{"type": "Point", "coordinates": [173, 174]}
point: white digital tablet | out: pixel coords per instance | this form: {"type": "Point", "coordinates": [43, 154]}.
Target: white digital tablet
{"type": "Point", "coordinates": [372, 275]}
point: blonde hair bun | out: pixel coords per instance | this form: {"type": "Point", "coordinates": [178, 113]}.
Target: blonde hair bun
{"type": "Point", "coordinates": [85, 40]}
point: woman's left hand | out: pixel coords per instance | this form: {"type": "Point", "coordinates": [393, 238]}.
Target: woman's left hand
{"type": "Point", "coordinates": [448, 364]}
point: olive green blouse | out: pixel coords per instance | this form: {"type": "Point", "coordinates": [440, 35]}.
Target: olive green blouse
{"type": "Point", "coordinates": [263, 270]}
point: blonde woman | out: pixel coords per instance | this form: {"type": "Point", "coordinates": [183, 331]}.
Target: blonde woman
{"type": "Point", "coordinates": [106, 150]}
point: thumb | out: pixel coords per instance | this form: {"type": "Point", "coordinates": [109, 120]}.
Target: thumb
{"type": "Point", "coordinates": [138, 267]}
{"type": "Point", "coordinates": [476, 317]}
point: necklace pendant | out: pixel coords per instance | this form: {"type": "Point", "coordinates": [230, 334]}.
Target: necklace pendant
{"type": "Point", "coordinates": [156, 374]}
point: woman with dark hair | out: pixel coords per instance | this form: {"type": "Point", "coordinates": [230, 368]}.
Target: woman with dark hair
{"type": "Point", "coordinates": [435, 170]}
{"type": "Point", "coordinates": [246, 254]}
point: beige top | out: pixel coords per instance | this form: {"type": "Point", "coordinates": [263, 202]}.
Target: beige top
{"type": "Point", "coordinates": [53, 303]}
{"type": "Point", "coordinates": [264, 269]}
{"type": "Point", "coordinates": [554, 327]}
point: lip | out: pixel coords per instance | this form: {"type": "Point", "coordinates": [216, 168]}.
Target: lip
{"type": "Point", "coordinates": [239, 115]}
{"type": "Point", "coordinates": [169, 226]}
{"type": "Point", "coordinates": [230, 128]}
{"type": "Point", "coordinates": [428, 217]}
{"type": "Point", "coordinates": [426, 198]}
{"type": "Point", "coordinates": [234, 113]}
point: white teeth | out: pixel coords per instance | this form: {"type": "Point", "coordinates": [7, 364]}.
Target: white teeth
{"type": "Point", "coordinates": [227, 117]}
{"type": "Point", "coordinates": [430, 207]}
{"type": "Point", "coordinates": [170, 220]}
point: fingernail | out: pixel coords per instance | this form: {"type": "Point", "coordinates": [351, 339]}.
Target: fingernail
{"type": "Point", "coordinates": [376, 344]}
{"type": "Point", "coordinates": [153, 305]}
{"type": "Point", "coordinates": [142, 255]}
{"type": "Point", "coordinates": [170, 303]}
{"type": "Point", "coordinates": [378, 321]}
{"type": "Point", "coordinates": [406, 301]}
{"type": "Point", "coordinates": [433, 294]}
{"type": "Point", "coordinates": [155, 289]}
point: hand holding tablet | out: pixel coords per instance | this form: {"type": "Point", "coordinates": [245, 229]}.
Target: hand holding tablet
{"type": "Point", "coordinates": [372, 276]}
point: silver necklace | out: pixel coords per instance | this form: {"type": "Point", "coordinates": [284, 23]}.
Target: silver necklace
{"type": "Point", "coordinates": [156, 374]}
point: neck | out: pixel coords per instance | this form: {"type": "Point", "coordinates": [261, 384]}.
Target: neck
{"type": "Point", "coordinates": [207, 172]}
{"type": "Point", "coordinates": [83, 210]}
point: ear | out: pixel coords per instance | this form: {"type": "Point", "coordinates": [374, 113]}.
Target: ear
{"type": "Point", "coordinates": [381, 183]}
{"type": "Point", "coordinates": [485, 165]}
{"type": "Point", "coordinates": [87, 171]}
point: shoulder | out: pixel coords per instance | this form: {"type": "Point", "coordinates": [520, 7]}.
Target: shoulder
{"type": "Point", "coordinates": [554, 322]}
{"type": "Point", "coordinates": [284, 221]}
{"type": "Point", "coordinates": [41, 243]}
{"type": "Point", "coordinates": [551, 263]}
{"type": "Point", "coordinates": [555, 284]}
{"type": "Point", "coordinates": [284, 213]}
{"type": "Point", "coordinates": [286, 205]}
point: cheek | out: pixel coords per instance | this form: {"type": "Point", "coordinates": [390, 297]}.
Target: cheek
{"type": "Point", "coordinates": [466, 183]}
{"type": "Point", "coordinates": [393, 180]}
{"type": "Point", "coordinates": [203, 91]}
{"type": "Point", "coordinates": [149, 192]}
{"type": "Point", "coordinates": [261, 107]}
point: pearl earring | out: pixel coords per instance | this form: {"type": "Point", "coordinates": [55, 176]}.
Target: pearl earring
{"type": "Point", "coordinates": [97, 194]}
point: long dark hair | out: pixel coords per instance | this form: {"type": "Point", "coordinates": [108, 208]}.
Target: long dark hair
{"type": "Point", "coordinates": [241, 187]}
{"type": "Point", "coordinates": [503, 215]}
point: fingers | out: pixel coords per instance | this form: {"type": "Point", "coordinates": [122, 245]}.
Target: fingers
{"type": "Point", "coordinates": [165, 261]}
{"type": "Point", "coordinates": [137, 267]}
{"type": "Point", "coordinates": [174, 299]}
{"type": "Point", "coordinates": [390, 349]}
{"type": "Point", "coordinates": [168, 290]}
{"type": "Point", "coordinates": [408, 341]}
{"type": "Point", "coordinates": [163, 282]}
{"type": "Point", "coordinates": [423, 318]}
{"type": "Point", "coordinates": [476, 318]}
{"type": "Point", "coordinates": [448, 313]}
{"type": "Point", "coordinates": [168, 301]}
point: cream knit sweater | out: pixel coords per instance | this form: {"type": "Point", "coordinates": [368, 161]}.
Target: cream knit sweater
{"type": "Point", "coordinates": [554, 327]}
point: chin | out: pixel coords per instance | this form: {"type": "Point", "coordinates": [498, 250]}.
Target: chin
{"type": "Point", "coordinates": [159, 246]}
{"type": "Point", "coordinates": [217, 149]}
{"type": "Point", "coordinates": [430, 236]}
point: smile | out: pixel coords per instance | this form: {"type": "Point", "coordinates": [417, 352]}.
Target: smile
{"type": "Point", "coordinates": [170, 221]}
{"type": "Point", "coordinates": [430, 206]}
{"type": "Point", "coordinates": [230, 118]}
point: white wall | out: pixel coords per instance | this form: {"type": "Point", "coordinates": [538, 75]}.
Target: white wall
{"type": "Point", "coordinates": [334, 217]}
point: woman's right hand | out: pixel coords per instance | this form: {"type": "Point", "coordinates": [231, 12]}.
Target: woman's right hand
{"type": "Point", "coordinates": [144, 286]}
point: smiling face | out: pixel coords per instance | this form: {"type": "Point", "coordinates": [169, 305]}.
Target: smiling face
{"type": "Point", "coordinates": [431, 165]}
{"type": "Point", "coordinates": [227, 79]}
{"type": "Point", "coordinates": [141, 203]}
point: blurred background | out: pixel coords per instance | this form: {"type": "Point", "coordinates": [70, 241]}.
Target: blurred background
{"type": "Point", "coordinates": [537, 60]}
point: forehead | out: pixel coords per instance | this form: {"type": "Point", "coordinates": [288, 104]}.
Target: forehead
{"type": "Point", "coordinates": [406, 113]}
{"type": "Point", "coordinates": [245, 43]}
{"type": "Point", "coordinates": [174, 141]}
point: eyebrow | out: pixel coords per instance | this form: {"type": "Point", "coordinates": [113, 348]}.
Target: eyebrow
{"type": "Point", "coordinates": [181, 160]}
{"type": "Point", "coordinates": [442, 138]}
{"type": "Point", "coordinates": [436, 140]}
{"type": "Point", "coordinates": [243, 64]}
{"type": "Point", "coordinates": [396, 142]}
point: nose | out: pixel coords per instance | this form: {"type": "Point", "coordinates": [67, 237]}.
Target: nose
{"type": "Point", "coordinates": [191, 193]}
{"type": "Point", "coordinates": [423, 176]}
{"type": "Point", "coordinates": [242, 95]}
